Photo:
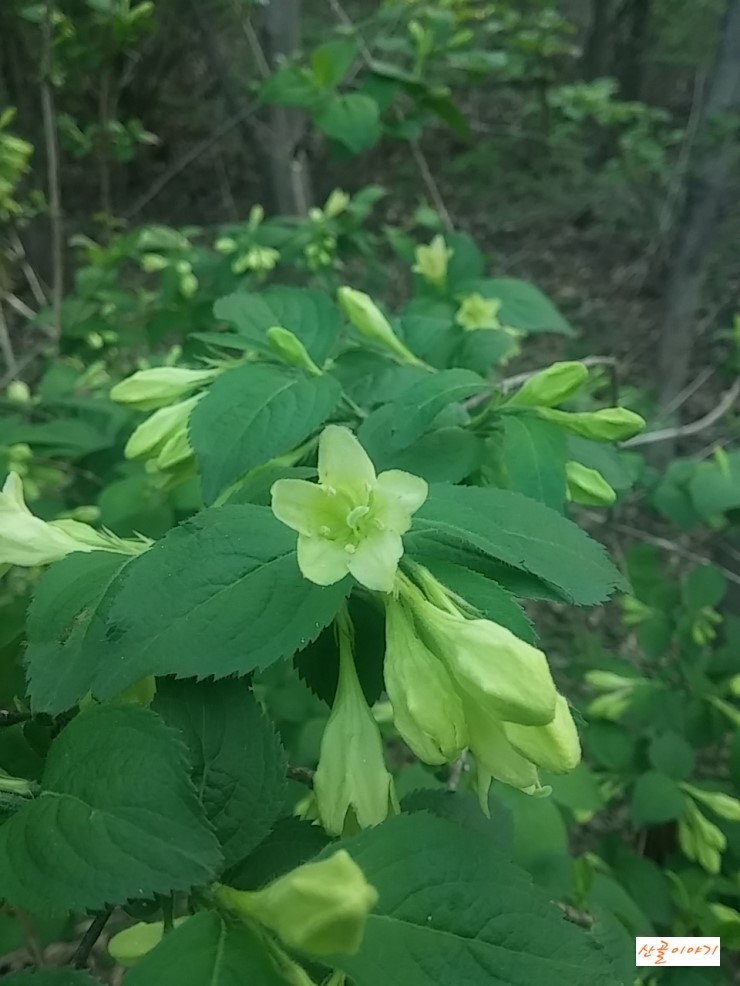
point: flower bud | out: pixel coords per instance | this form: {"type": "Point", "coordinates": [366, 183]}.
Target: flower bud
{"type": "Point", "coordinates": [132, 944]}
{"type": "Point", "coordinates": [18, 392]}
{"type": "Point", "coordinates": [368, 319]}
{"type": "Point", "coordinates": [610, 706]}
{"type": "Point", "coordinates": [554, 747]}
{"type": "Point", "coordinates": [336, 203]}
{"type": "Point", "coordinates": [151, 435]}
{"type": "Point", "coordinates": [587, 486]}
{"type": "Point", "coordinates": [225, 245]}
{"type": "Point", "coordinates": [256, 215]}
{"type": "Point", "coordinates": [289, 348]}
{"type": "Point", "coordinates": [188, 285]}
{"type": "Point", "coordinates": [610, 424]}
{"type": "Point", "coordinates": [152, 263]}
{"type": "Point", "coordinates": [148, 390]}
{"type": "Point", "coordinates": [427, 711]}
{"type": "Point", "coordinates": [551, 386]}
{"type": "Point", "coordinates": [608, 681]}
{"type": "Point", "coordinates": [721, 804]}
{"type": "Point", "coordinates": [320, 908]}
{"type": "Point", "coordinates": [700, 839]}
{"type": "Point", "coordinates": [175, 450]}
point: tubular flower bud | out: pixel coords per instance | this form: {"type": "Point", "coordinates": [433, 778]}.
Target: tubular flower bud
{"type": "Point", "coordinates": [352, 785]}
{"type": "Point", "coordinates": [166, 424]}
{"type": "Point", "coordinates": [336, 204]}
{"type": "Point", "coordinates": [587, 486]}
{"type": "Point", "coordinates": [700, 839]}
{"type": "Point", "coordinates": [719, 802]}
{"type": "Point", "coordinates": [610, 424]}
{"type": "Point", "coordinates": [370, 322]}
{"type": "Point", "coordinates": [352, 520]}
{"type": "Point", "coordinates": [289, 347]}
{"type": "Point", "coordinates": [28, 541]}
{"type": "Point", "coordinates": [320, 908]}
{"type": "Point", "coordinates": [148, 390]}
{"type": "Point", "coordinates": [132, 944]}
{"type": "Point", "coordinates": [550, 387]}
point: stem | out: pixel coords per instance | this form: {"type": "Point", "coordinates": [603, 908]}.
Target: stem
{"type": "Point", "coordinates": [12, 718]}
{"type": "Point", "coordinates": [48, 114]}
{"type": "Point", "coordinates": [104, 143]}
{"type": "Point", "coordinates": [87, 942]}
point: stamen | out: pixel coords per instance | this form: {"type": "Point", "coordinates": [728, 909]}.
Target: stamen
{"type": "Point", "coordinates": [324, 531]}
{"type": "Point", "coordinates": [355, 516]}
{"type": "Point", "coordinates": [350, 548]}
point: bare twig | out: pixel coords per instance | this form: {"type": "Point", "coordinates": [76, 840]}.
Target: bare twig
{"type": "Point", "coordinates": [693, 428]}
{"type": "Point", "coordinates": [304, 775]}
{"type": "Point", "coordinates": [689, 391]}
{"type": "Point", "coordinates": [6, 344]}
{"type": "Point", "coordinates": [21, 258]}
{"type": "Point", "coordinates": [581, 918]}
{"type": "Point", "coordinates": [187, 159]}
{"type": "Point", "coordinates": [508, 383]}
{"type": "Point", "coordinates": [667, 545]}
{"type": "Point", "coordinates": [10, 717]}
{"type": "Point", "coordinates": [21, 364]}
{"type": "Point", "coordinates": [20, 306]}
{"type": "Point", "coordinates": [48, 114]}
{"type": "Point", "coordinates": [457, 769]}
{"type": "Point", "coordinates": [87, 942]}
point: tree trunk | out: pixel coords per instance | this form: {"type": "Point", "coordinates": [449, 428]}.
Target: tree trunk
{"type": "Point", "coordinates": [291, 177]}
{"type": "Point", "coordinates": [707, 184]}
{"type": "Point", "coordinates": [631, 61]}
{"type": "Point", "coordinates": [596, 60]}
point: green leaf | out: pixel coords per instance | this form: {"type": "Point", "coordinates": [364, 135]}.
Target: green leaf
{"type": "Point", "coordinates": [395, 425]}
{"type": "Point", "coordinates": [671, 754]}
{"type": "Point", "coordinates": [311, 315]}
{"type": "Point", "coordinates": [606, 459]}
{"type": "Point", "coordinates": [524, 534]}
{"type": "Point", "coordinates": [49, 977]}
{"type": "Point", "coordinates": [118, 818]}
{"type": "Point", "coordinates": [332, 60]}
{"type": "Point", "coordinates": [445, 455]}
{"type": "Point", "coordinates": [455, 910]}
{"type": "Point", "coordinates": [252, 414]}
{"type": "Point", "coordinates": [59, 619]}
{"type": "Point", "coordinates": [238, 763]}
{"type": "Point", "coordinates": [534, 456]}
{"type": "Point", "coordinates": [609, 746]}
{"type": "Point", "coordinates": [290, 86]}
{"type": "Point", "coordinates": [715, 487]}
{"type": "Point", "coordinates": [221, 594]}
{"type": "Point", "coordinates": [486, 596]}
{"type": "Point", "coordinates": [523, 306]}
{"type": "Point", "coordinates": [656, 798]}
{"type": "Point", "coordinates": [578, 790]}
{"type": "Point", "coordinates": [290, 843]}
{"type": "Point", "coordinates": [704, 586]}
{"type": "Point", "coordinates": [352, 119]}
{"type": "Point", "coordinates": [205, 950]}
{"type": "Point", "coordinates": [466, 263]}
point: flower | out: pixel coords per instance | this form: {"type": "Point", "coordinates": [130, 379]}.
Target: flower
{"type": "Point", "coordinates": [477, 312]}
{"type": "Point", "coordinates": [259, 259]}
{"type": "Point", "coordinates": [148, 390]}
{"type": "Point", "coordinates": [319, 907]}
{"type": "Point", "coordinates": [336, 203]}
{"type": "Point", "coordinates": [165, 429]}
{"type": "Point", "coordinates": [28, 541]}
{"type": "Point", "coordinates": [352, 520]}
{"type": "Point", "coordinates": [431, 261]}
{"type": "Point", "coordinates": [352, 785]}
{"type": "Point", "coordinates": [368, 319]}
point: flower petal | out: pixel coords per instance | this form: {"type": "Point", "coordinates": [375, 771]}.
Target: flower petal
{"type": "Point", "coordinates": [490, 747]}
{"type": "Point", "coordinates": [11, 497]}
{"type": "Point", "coordinates": [375, 562]}
{"type": "Point", "coordinates": [398, 495]}
{"type": "Point", "coordinates": [298, 504]}
{"type": "Point", "coordinates": [343, 462]}
{"type": "Point", "coordinates": [321, 561]}
{"type": "Point", "coordinates": [554, 747]}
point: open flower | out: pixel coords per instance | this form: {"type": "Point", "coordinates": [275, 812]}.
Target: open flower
{"type": "Point", "coordinates": [431, 261]}
{"type": "Point", "coordinates": [477, 312]}
{"type": "Point", "coordinates": [29, 541]}
{"type": "Point", "coordinates": [319, 907]}
{"type": "Point", "coordinates": [352, 520]}
{"type": "Point", "coordinates": [352, 786]}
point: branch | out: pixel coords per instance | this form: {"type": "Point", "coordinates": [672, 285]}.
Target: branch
{"type": "Point", "coordinates": [11, 717]}
{"type": "Point", "coordinates": [681, 431]}
{"type": "Point", "coordinates": [304, 775]}
{"type": "Point", "coordinates": [48, 113]}
{"type": "Point", "coordinates": [6, 345]}
{"type": "Point", "coordinates": [508, 383]}
{"type": "Point", "coordinates": [87, 942]}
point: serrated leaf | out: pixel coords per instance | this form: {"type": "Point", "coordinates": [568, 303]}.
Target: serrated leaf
{"type": "Point", "coordinates": [221, 594]}
{"type": "Point", "coordinates": [656, 798]}
{"type": "Point", "coordinates": [59, 618]}
{"type": "Point", "coordinates": [455, 910]}
{"type": "Point", "coordinates": [252, 414]}
{"type": "Point", "coordinates": [486, 596]}
{"type": "Point", "coordinates": [534, 453]}
{"type": "Point", "coordinates": [445, 455]}
{"type": "Point", "coordinates": [49, 977]}
{"type": "Point", "coordinates": [352, 119]}
{"type": "Point", "coordinates": [118, 818]}
{"type": "Point", "coordinates": [332, 60]}
{"type": "Point", "coordinates": [524, 534]}
{"type": "Point", "coordinates": [523, 306]}
{"type": "Point", "coordinates": [290, 843]}
{"type": "Point", "coordinates": [205, 950]}
{"type": "Point", "coordinates": [671, 754]}
{"type": "Point", "coordinates": [311, 315]}
{"type": "Point", "coordinates": [395, 425]}
{"type": "Point", "coordinates": [238, 763]}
